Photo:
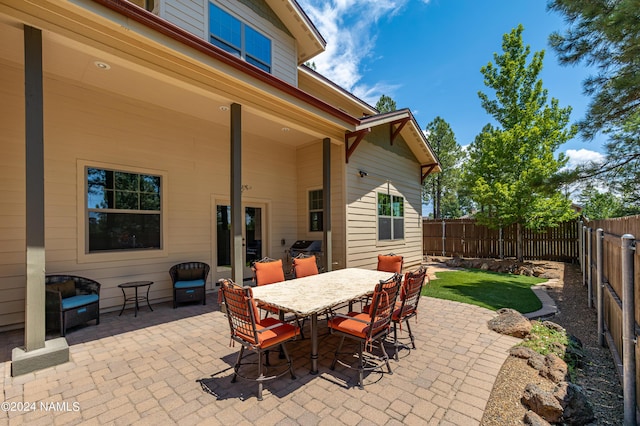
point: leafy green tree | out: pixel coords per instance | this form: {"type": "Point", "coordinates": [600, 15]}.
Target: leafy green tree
{"type": "Point", "coordinates": [386, 104]}
{"type": "Point", "coordinates": [441, 189]}
{"type": "Point", "coordinates": [511, 163]}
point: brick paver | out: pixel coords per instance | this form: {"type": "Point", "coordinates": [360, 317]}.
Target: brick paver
{"type": "Point", "coordinates": [174, 366]}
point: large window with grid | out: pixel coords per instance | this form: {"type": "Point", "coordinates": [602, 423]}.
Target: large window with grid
{"type": "Point", "coordinates": [123, 210]}
{"type": "Point", "coordinates": [238, 38]}
{"type": "Point", "coordinates": [390, 217]}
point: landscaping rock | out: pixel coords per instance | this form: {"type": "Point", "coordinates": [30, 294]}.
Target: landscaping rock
{"type": "Point", "coordinates": [577, 409]}
{"type": "Point", "coordinates": [522, 352]}
{"type": "Point", "coordinates": [553, 326]}
{"type": "Point", "coordinates": [537, 362]}
{"type": "Point", "coordinates": [542, 402]}
{"type": "Point", "coordinates": [555, 369]}
{"type": "Point", "coordinates": [510, 322]}
{"type": "Point", "coordinates": [532, 419]}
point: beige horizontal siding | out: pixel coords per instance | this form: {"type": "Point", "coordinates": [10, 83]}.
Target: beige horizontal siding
{"type": "Point", "coordinates": [382, 163]}
{"type": "Point", "coordinates": [119, 131]}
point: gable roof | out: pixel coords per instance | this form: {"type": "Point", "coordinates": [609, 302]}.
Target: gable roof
{"type": "Point", "coordinates": [415, 138]}
{"type": "Point", "coordinates": [310, 41]}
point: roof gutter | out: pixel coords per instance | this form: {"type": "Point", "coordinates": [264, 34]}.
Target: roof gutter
{"type": "Point", "coordinates": [166, 28]}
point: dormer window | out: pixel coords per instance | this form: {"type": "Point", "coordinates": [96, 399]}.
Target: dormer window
{"type": "Point", "coordinates": [229, 33]}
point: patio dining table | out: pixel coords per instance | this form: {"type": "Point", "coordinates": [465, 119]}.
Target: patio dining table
{"type": "Point", "coordinates": [311, 295]}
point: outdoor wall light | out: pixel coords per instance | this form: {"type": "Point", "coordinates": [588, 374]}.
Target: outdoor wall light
{"type": "Point", "coordinates": [102, 65]}
{"type": "Point", "coordinates": [285, 129]}
{"type": "Point", "coordinates": [245, 188]}
{"type": "Point", "coordinates": [223, 108]}
{"type": "Point", "coordinates": [362, 174]}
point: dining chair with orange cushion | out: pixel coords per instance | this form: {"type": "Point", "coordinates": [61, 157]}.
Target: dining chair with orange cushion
{"type": "Point", "coordinates": [407, 304]}
{"type": "Point", "coordinates": [390, 263]}
{"type": "Point", "coordinates": [368, 328]}
{"type": "Point", "coordinates": [269, 271]}
{"type": "Point", "coordinates": [255, 334]}
{"type": "Point", "coordinates": [304, 266]}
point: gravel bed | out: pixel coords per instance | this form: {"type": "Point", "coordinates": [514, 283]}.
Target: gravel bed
{"type": "Point", "coordinates": [598, 376]}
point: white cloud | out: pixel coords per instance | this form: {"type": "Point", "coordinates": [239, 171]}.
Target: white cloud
{"type": "Point", "coordinates": [582, 156]}
{"type": "Point", "coordinates": [349, 27]}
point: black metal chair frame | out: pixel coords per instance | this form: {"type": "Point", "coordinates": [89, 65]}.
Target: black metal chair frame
{"type": "Point", "coordinates": [240, 311]}
{"type": "Point", "coordinates": [412, 286]}
{"type": "Point", "coordinates": [384, 299]}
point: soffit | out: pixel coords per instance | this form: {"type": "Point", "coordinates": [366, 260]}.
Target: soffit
{"type": "Point", "coordinates": [185, 82]}
{"type": "Point", "coordinates": [315, 83]}
{"type": "Point", "coordinates": [310, 42]}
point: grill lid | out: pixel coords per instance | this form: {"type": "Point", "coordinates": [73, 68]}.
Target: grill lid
{"type": "Point", "coordinates": [307, 245]}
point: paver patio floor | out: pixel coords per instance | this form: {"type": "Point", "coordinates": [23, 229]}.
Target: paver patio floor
{"type": "Point", "coordinates": [173, 366]}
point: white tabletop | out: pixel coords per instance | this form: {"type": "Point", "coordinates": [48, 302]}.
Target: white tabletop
{"type": "Point", "coordinates": [315, 293]}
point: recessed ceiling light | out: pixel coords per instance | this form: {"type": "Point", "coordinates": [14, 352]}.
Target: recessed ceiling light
{"type": "Point", "coordinates": [102, 65]}
{"type": "Point", "coordinates": [223, 108]}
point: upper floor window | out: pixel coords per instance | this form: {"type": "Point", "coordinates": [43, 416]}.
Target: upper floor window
{"type": "Point", "coordinates": [123, 210]}
{"type": "Point", "coordinates": [238, 38]}
{"type": "Point", "coordinates": [147, 4]}
{"type": "Point", "coordinates": [390, 217]}
{"type": "Point", "coordinates": [315, 210]}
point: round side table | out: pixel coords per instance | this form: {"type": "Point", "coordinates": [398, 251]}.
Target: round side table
{"type": "Point", "coordinates": [135, 285]}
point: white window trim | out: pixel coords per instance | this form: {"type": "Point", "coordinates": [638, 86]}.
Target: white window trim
{"type": "Point", "coordinates": [83, 256]}
{"type": "Point", "coordinates": [393, 241]}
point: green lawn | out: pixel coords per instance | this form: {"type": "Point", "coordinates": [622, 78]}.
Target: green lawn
{"type": "Point", "coordinates": [490, 290]}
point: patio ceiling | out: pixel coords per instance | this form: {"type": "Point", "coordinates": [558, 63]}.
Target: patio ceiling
{"type": "Point", "coordinates": [160, 83]}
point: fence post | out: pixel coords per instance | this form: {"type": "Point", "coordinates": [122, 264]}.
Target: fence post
{"type": "Point", "coordinates": [580, 246]}
{"type": "Point", "coordinates": [501, 245]}
{"type": "Point", "coordinates": [589, 271]}
{"type": "Point", "coordinates": [443, 238]}
{"type": "Point", "coordinates": [584, 255]}
{"type": "Point", "coordinates": [600, 284]}
{"type": "Point", "coordinates": [628, 330]}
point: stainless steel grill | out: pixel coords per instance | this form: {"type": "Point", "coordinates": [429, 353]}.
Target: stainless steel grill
{"type": "Point", "coordinates": [307, 247]}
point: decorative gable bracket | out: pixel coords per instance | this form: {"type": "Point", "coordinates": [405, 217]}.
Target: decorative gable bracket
{"type": "Point", "coordinates": [358, 135]}
{"type": "Point", "coordinates": [393, 133]}
{"type": "Point", "coordinates": [425, 170]}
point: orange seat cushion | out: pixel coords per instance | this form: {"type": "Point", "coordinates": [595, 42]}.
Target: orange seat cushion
{"type": "Point", "coordinates": [388, 263]}
{"type": "Point", "coordinates": [305, 266]}
{"type": "Point", "coordinates": [349, 326]}
{"type": "Point", "coordinates": [269, 272]}
{"type": "Point", "coordinates": [398, 316]}
{"type": "Point", "coordinates": [276, 335]}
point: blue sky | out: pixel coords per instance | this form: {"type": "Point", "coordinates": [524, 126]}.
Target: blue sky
{"type": "Point", "coordinates": [427, 54]}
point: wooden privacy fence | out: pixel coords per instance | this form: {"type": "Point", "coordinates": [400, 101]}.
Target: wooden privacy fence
{"type": "Point", "coordinates": [464, 237]}
{"type": "Point", "coordinates": [611, 271]}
